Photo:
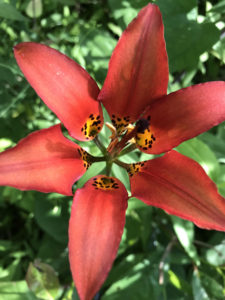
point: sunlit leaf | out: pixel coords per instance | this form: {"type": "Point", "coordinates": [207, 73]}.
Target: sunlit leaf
{"type": "Point", "coordinates": [8, 11]}
{"type": "Point", "coordinates": [34, 8]}
{"type": "Point", "coordinates": [185, 234]}
{"type": "Point", "coordinates": [17, 290]}
{"type": "Point", "coordinates": [42, 280]}
{"type": "Point", "coordinates": [199, 292]}
{"type": "Point", "coordinates": [200, 152]}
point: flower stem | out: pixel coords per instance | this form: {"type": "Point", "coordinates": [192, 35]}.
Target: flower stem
{"type": "Point", "coordinates": [162, 261]}
{"type": "Point", "coordinates": [99, 144]}
{"type": "Point", "coordinates": [93, 159]}
{"type": "Point", "coordinates": [108, 167]}
{"type": "Point", "coordinates": [122, 164]}
{"type": "Point", "coordinates": [118, 148]}
{"type": "Point", "coordinates": [128, 149]}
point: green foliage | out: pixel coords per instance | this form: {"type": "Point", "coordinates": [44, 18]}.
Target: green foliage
{"type": "Point", "coordinates": [160, 257]}
{"type": "Point", "coordinates": [42, 280]}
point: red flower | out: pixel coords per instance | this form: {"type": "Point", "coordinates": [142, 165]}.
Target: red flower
{"type": "Point", "coordinates": [134, 91]}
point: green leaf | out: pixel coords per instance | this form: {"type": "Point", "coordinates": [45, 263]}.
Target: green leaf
{"type": "Point", "coordinates": [179, 283]}
{"type": "Point", "coordinates": [123, 11]}
{"type": "Point", "coordinates": [176, 7]}
{"type": "Point", "coordinates": [5, 245]}
{"type": "Point", "coordinates": [138, 282]}
{"type": "Point", "coordinates": [8, 11]}
{"type": "Point", "coordinates": [42, 280]}
{"type": "Point", "coordinates": [185, 234]}
{"type": "Point", "coordinates": [96, 47]}
{"type": "Point", "coordinates": [215, 143]}
{"type": "Point", "coordinates": [122, 175]}
{"type": "Point", "coordinates": [216, 255]}
{"type": "Point", "coordinates": [199, 292]}
{"type": "Point", "coordinates": [135, 203]}
{"type": "Point", "coordinates": [200, 152]}
{"type": "Point", "coordinates": [95, 169]}
{"type": "Point", "coordinates": [219, 7]}
{"type": "Point", "coordinates": [53, 216]}
{"type": "Point", "coordinates": [213, 288]}
{"type": "Point", "coordinates": [16, 290]}
{"type": "Point", "coordinates": [219, 49]}
{"type": "Point", "coordinates": [186, 39]}
{"type": "Point", "coordinates": [34, 9]}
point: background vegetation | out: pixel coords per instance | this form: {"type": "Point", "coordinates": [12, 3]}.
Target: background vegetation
{"type": "Point", "coordinates": [160, 256]}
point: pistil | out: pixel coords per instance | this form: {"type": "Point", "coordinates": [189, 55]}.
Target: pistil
{"type": "Point", "coordinates": [140, 128]}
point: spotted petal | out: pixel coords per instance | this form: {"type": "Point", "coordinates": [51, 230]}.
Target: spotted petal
{"type": "Point", "coordinates": [44, 161]}
{"type": "Point", "coordinates": [138, 68]}
{"type": "Point", "coordinates": [95, 230]}
{"type": "Point", "coordinates": [65, 87]}
{"type": "Point", "coordinates": [183, 115]}
{"type": "Point", "coordinates": [181, 187]}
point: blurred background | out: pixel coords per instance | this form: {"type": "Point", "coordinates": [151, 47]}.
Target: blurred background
{"type": "Point", "coordinates": [160, 257]}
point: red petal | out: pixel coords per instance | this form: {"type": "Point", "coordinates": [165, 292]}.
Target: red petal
{"type": "Point", "coordinates": [185, 114]}
{"type": "Point", "coordinates": [95, 230]}
{"type": "Point", "coordinates": [65, 87]}
{"type": "Point", "coordinates": [138, 69]}
{"type": "Point", "coordinates": [181, 187]}
{"type": "Point", "coordinates": [44, 161]}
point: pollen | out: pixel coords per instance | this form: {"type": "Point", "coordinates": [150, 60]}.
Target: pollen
{"type": "Point", "coordinates": [92, 126]}
{"type": "Point", "coordinates": [135, 168]}
{"type": "Point", "coordinates": [85, 157]}
{"type": "Point", "coordinates": [120, 123]}
{"type": "Point", "coordinates": [105, 183]}
{"type": "Point", "coordinates": [144, 136]}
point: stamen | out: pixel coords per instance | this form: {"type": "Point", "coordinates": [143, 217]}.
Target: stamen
{"type": "Point", "coordinates": [142, 124]}
{"type": "Point", "coordinates": [141, 133]}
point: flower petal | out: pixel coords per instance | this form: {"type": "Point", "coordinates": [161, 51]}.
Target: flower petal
{"type": "Point", "coordinates": [181, 187]}
{"type": "Point", "coordinates": [185, 114]}
{"type": "Point", "coordinates": [138, 69]}
{"type": "Point", "coordinates": [44, 161]}
{"type": "Point", "coordinates": [95, 230]}
{"type": "Point", "coordinates": [65, 87]}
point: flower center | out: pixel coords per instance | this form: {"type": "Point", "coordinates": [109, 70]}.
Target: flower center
{"type": "Point", "coordinates": [92, 126]}
{"type": "Point", "coordinates": [124, 139]}
{"type": "Point", "coordinates": [120, 123]}
{"type": "Point", "coordinates": [105, 183]}
{"type": "Point", "coordinates": [140, 134]}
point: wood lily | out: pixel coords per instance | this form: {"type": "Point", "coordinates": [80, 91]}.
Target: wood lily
{"type": "Point", "coordinates": [135, 96]}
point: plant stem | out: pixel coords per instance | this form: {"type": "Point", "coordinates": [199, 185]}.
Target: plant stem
{"type": "Point", "coordinates": [162, 261]}
{"type": "Point", "coordinates": [99, 144]}
{"type": "Point", "coordinates": [122, 164]}
{"type": "Point", "coordinates": [123, 142]}
{"type": "Point", "coordinates": [200, 243]}
{"type": "Point", "coordinates": [128, 149]}
{"type": "Point", "coordinates": [96, 158]}
{"type": "Point", "coordinates": [108, 167]}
